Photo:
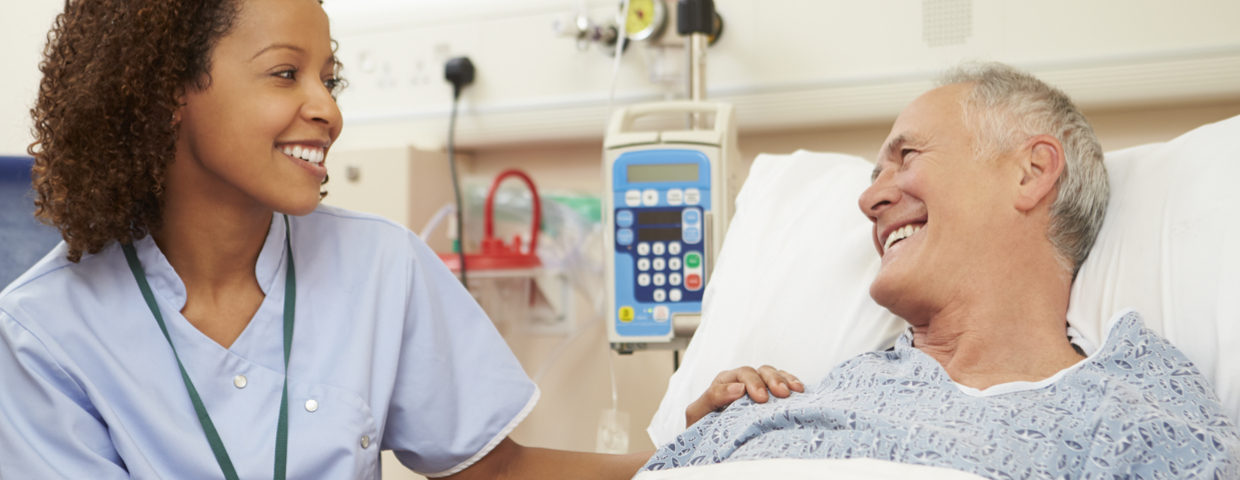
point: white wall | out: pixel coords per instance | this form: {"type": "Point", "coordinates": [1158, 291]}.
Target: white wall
{"type": "Point", "coordinates": [23, 30]}
{"type": "Point", "coordinates": [785, 64]}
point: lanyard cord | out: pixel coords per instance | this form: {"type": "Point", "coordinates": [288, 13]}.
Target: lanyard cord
{"type": "Point", "coordinates": [213, 437]}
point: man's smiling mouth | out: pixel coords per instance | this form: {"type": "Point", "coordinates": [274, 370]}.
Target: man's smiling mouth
{"type": "Point", "coordinates": [901, 234]}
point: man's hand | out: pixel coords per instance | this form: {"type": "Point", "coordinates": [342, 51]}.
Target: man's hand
{"type": "Point", "coordinates": [733, 384]}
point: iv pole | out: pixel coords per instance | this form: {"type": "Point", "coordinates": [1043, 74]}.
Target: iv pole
{"type": "Point", "coordinates": [696, 21]}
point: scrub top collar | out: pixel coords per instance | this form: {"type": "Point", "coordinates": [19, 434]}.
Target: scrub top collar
{"type": "Point", "coordinates": [164, 279]}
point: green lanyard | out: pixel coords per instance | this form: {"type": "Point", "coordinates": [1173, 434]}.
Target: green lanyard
{"type": "Point", "coordinates": [213, 437]}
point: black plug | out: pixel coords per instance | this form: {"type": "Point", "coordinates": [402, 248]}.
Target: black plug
{"type": "Point", "coordinates": [460, 72]}
{"type": "Point", "coordinates": [695, 16]}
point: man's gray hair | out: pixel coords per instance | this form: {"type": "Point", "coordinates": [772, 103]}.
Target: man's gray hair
{"type": "Point", "coordinates": [1008, 106]}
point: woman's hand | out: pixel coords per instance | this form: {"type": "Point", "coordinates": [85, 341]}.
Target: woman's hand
{"type": "Point", "coordinates": [733, 384]}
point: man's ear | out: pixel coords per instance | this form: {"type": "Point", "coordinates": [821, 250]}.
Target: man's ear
{"type": "Point", "coordinates": [1041, 161]}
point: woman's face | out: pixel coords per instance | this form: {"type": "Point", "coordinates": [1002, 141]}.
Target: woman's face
{"type": "Point", "coordinates": [260, 131]}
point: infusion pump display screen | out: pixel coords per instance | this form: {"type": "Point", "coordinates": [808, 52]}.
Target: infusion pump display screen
{"type": "Point", "coordinates": [668, 172]}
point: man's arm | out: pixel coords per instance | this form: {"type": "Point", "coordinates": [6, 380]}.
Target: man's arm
{"type": "Point", "coordinates": [510, 460]}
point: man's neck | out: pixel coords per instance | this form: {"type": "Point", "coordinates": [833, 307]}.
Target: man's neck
{"type": "Point", "coordinates": [1000, 333]}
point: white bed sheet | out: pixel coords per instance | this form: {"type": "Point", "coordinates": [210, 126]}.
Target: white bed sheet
{"type": "Point", "coordinates": [796, 469]}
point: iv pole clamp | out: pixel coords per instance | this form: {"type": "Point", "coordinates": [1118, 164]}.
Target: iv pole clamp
{"type": "Point", "coordinates": [696, 22]}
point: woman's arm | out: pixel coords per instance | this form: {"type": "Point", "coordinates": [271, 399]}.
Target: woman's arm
{"type": "Point", "coordinates": [731, 385]}
{"type": "Point", "coordinates": [512, 461]}
{"type": "Point", "coordinates": [47, 429]}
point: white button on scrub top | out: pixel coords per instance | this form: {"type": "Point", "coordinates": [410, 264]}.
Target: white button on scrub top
{"type": "Point", "coordinates": [311, 405]}
{"type": "Point", "coordinates": [365, 441]}
{"type": "Point", "coordinates": [239, 381]}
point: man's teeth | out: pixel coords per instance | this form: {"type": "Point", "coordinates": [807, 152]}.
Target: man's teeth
{"type": "Point", "coordinates": [310, 154]}
{"type": "Point", "coordinates": [901, 234]}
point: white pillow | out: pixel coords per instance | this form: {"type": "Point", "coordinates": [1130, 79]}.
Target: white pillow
{"type": "Point", "coordinates": [1168, 249]}
{"type": "Point", "coordinates": [791, 286]}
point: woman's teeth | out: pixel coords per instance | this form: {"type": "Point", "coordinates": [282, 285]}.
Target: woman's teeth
{"type": "Point", "coordinates": [901, 234]}
{"type": "Point", "coordinates": [309, 154]}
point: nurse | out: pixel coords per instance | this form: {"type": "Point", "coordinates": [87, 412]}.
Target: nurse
{"type": "Point", "coordinates": [206, 317]}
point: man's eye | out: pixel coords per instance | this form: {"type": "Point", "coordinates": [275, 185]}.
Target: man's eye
{"type": "Point", "coordinates": [905, 152]}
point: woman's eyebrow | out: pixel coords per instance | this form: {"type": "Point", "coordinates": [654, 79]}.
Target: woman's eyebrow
{"type": "Point", "coordinates": [276, 46]}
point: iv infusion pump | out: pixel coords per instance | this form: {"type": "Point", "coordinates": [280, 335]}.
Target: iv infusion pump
{"type": "Point", "coordinates": [670, 195]}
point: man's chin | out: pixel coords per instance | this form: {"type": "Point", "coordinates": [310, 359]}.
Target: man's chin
{"type": "Point", "coordinates": [882, 292]}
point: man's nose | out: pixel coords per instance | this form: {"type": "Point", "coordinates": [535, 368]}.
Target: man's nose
{"type": "Point", "coordinates": [879, 196]}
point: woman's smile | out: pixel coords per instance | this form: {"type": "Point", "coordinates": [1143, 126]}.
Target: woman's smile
{"type": "Point", "coordinates": [311, 158]}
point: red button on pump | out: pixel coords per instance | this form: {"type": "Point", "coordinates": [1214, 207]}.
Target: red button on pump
{"type": "Point", "coordinates": [693, 281]}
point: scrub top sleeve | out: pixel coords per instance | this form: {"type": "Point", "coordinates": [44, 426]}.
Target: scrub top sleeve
{"type": "Point", "coordinates": [459, 390]}
{"type": "Point", "coordinates": [48, 428]}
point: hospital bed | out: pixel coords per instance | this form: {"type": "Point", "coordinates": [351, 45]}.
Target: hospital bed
{"type": "Point", "coordinates": [799, 260]}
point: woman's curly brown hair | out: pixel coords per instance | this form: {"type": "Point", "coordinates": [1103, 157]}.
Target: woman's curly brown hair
{"type": "Point", "coordinates": [113, 71]}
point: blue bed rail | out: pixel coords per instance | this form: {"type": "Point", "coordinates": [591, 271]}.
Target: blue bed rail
{"type": "Point", "coordinates": [23, 240]}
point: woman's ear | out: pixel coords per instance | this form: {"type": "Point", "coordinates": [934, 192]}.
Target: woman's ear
{"type": "Point", "coordinates": [1041, 162]}
{"type": "Point", "coordinates": [176, 112]}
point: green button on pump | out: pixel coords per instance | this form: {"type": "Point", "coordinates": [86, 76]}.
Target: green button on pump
{"type": "Point", "coordinates": [693, 260]}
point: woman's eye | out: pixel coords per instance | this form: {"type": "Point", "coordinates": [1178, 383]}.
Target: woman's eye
{"type": "Point", "coordinates": [332, 84]}
{"type": "Point", "coordinates": [290, 74]}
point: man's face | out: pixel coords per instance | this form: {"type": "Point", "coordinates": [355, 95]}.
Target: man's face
{"type": "Point", "coordinates": [935, 208]}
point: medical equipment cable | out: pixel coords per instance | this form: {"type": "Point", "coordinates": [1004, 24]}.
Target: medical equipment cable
{"type": "Point", "coordinates": [459, 71]}
{"type": "Point", "coordinates": [621, 42]}
{"type": "Point", "coordinates": [436, 219]}
{"type": "Point", "coordinates": [623, 35]}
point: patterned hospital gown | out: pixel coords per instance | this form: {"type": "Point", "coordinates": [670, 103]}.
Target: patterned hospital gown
{"type": "Point", "coordinates": [1136, 408]}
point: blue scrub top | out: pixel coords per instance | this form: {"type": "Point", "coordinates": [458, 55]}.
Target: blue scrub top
{"type": "Point", "coordinates": [390, 348]}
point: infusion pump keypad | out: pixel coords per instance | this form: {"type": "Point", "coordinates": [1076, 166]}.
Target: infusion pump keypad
{"type": "Point", "coordinates": [659, 206]}
{"type": "Point", "coordinates": [665, 245]}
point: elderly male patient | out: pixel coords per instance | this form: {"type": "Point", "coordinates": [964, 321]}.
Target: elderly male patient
{"type": "Point", "coordinates": [986, 199]}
